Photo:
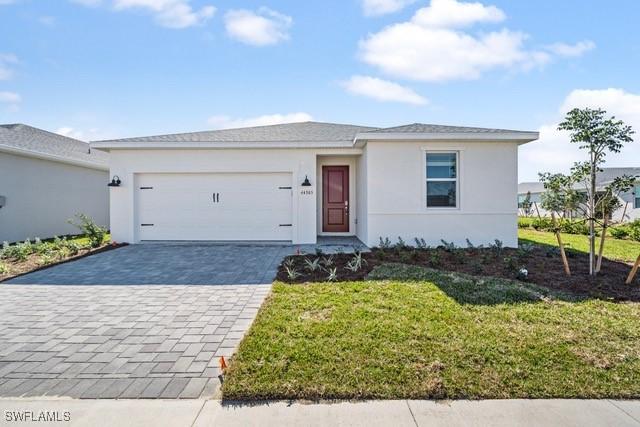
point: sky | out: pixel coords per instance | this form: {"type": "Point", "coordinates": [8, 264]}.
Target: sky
{"type": "Point", "coordinates": [98, 69]}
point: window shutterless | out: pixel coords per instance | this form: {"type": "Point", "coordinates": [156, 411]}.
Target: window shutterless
{"type": "Point", "coordinates": [442, 179]}
{"type": "Point", "coordinates": [637, 196]}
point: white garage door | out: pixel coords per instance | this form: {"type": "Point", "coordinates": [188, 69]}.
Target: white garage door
{"type": "Point", "coordinates": [219, 206]}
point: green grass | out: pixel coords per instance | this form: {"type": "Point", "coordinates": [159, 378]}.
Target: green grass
{"type": "Point", "coordinates": [428, 339]}
{"type": "Point", "coordinates": [622, 250]}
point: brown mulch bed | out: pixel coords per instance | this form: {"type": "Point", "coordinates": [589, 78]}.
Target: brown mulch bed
{"type": "Point", "coordinates": [33, 263]}
{"type": "Point", "coordinates": [543, 264]}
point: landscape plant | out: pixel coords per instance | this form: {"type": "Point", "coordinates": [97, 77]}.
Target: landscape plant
{"type": "Point", "coordinates": [599, 135]}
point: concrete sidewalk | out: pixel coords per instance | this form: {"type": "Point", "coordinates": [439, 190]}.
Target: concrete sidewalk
{"type": "Point", "coordinates": [498, 413]}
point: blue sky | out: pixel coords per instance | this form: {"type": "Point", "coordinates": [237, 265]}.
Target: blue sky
{"type": "Point", "coordinates": [113, 68]}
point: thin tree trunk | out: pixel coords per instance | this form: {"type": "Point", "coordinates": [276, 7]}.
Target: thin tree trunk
{"type": "Point", "coordinates": [537, 210]}
{"type": "Point", "coordinates": [601, 249]}
{"type": "Point", "coordinates": [563, 255]}
{"type": "Point", "coordinates": [592, 214]}
{"type": "Point", "coordinates": [633, 271]}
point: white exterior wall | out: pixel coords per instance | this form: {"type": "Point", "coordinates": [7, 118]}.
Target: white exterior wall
{"type": "Point", "coordinates": [361, 196]}
{"type": "Point", "coordinates": [487, 193]}
{"type": "Point", "coordinates": [128, 163]}
{"type": "Point", "coordinates": [41, 195]}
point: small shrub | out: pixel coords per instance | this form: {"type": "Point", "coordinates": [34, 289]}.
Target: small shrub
{"type": "Point", "coordinates": [448, 246]}
{"type": "Point", "coordinates": [525, 222]}
{"type": "Point", "coordinates": [405, 257]}
{"type": "Point", "coordinates": [512, 264]}
{"type": "Point", "coordinates": [333, 274]}
{"type": "Point", "coordinates": [292, 273]}
{"type": "Point", "coordinates": [420, 243]}
{"type": "Point", "coordinates": [497, 247]}
{"type": "Point", "coordinates": [384, 244]}
{"type": "Point", "coordinates": [634, 230]}
{"type": "Point", "coordinates": [47, 259]}
{"type": "Point", "coordinates": [312, 266]}
{"type": "Point", "coordinates": [525, 249]}
{"type": "Point", "coordinates": [288, 263]}
{"type": "Point", "coordinates": [542, 224]}
{"type": "Point", "coordinates": [4, 268]}
{"type": "Point", "coordinates": [401, 245]}
{"type": "Point", "coordinates": [93, 231]}
{"type": "Point", "coordinates": [620, 232]}
{"type": "Point", "coordinates": [328, 261]}
{"type": "Point", "coordinates": [434, 259]}
{"type": "Point", "coordinates": [356, 263]}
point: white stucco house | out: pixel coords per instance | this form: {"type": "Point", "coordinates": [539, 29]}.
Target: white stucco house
{"type": "Point", "coordinates": [295, 182]}
{"type": "Point", "coordinates": [45, 179]}
{"type": "Point", "coordinates": [629, 202]}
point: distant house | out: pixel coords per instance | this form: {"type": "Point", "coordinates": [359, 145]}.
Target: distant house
{"type": "Point", "coordinates": [630, 201]}
{"type": "Point", "coordinates": [45, 179]}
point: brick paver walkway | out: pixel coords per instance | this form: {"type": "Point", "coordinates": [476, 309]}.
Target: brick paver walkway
{"type": "Point", "coordinates": [120, 341]}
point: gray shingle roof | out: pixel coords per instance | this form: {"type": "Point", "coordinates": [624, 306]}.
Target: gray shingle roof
{"type": "Point", "coordinates": [603, 178]}
{"type": "Point", "coordinates": [300, 132]}
{"type": "Point", "coordinates": [288, 132]}
{"type": "Point", "coordinates": [38, 141]}
{"type": "Point", "coordinates": [533, 187]}
{"type": "Point", "coordinates": [429, 128]}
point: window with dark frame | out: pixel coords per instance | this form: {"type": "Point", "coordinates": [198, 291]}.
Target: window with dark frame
{"type": "Point", "coordinates": [637, 196]}
{"type": "Point", "coordinates": [442, 179]}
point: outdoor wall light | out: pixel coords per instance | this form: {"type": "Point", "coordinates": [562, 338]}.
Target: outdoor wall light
{"type": "Point", "coordinates": [306, 182]}
{"type": "Point", "coordinates": [115, 181]}
{"type": "Point", "coordinates": [3, 201]}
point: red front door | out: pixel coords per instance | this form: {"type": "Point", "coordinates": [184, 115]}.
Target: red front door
{"type": "Point", "coordinates": [335, 198]}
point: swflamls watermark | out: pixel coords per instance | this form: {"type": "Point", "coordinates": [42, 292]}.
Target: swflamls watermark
{"type": "Point", "coordinates": [36, 416]}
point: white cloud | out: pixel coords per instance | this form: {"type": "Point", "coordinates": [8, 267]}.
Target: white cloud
{"type": "Point", "coordinates": [11, 100]}
{"type": "Point", "coordinates": [167, 13]}
{"type": "Point", "coordinates": [382, 7]}
{"type": "Point", "coordinates": [432, 46]}
{"type": "Point", "coordinates": [382, 90]}
{"type": "Point", "coordinates": [10, 97]}
{"type": "Point", "coordinates": [564, 49]}
{"type": "Point", "coordinates": [261, 28]}
{"type": "Point", "coordinates": [226, 122]}
{"type": "Point", "coordinates": [454, 14]}
{"type": "Point", "coordinates": [6, 61]}
{"type": "Point", "coordinates": [554, 153]}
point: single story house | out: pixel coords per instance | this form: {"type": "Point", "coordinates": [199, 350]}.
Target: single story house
{"type": "Point", "coordinates": [629, 201]}
{"type": "Point", "coordinates": [294, 182]}
{"type": "Point", "coordinates": [45, 179]}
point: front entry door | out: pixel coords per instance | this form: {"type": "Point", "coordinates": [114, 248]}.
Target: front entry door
{"type": "Point", "coordinates": [335, 199]}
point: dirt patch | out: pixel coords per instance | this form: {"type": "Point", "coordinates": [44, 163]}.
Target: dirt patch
{"type": "Point", "coordinates": [34, 261]}
{"type": "Point", "coordinates": [543, 265]}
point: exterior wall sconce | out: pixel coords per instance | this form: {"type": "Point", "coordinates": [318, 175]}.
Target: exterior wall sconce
{"type": "Point", "coordinates": [115, 182]}
{"type": "Point", "coordinates": [306, 182]}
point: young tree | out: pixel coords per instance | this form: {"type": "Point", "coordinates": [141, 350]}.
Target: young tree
{"type": "Point", "coordinates": [598, 135]}
{"type": "Point", "coordinates": [559, 197]}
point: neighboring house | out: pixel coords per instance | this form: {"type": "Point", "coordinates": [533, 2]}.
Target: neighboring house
{"type": "Point", "coordinates": [630, 201]}
{"type": "Point", "coordinates": [294, 182]}
{"type": "Point", "coordinates": [45, 179]}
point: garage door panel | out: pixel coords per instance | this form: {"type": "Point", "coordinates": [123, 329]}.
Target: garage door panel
{"type": "Point", "coordinates": [184, 206]}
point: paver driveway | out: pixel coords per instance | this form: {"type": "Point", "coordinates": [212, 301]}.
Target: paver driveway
{"type": "Point", "coordinates": [136, 322]}
{"type": "Point", "coordinates": [120, 341]}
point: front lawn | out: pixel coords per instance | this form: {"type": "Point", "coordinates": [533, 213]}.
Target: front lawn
{"type": "Point", "coordinates": [24, 257]}
{"type": "Point", "coordinates": [617, 249]}
{"type": "Point", "coordinates": [444, 335]}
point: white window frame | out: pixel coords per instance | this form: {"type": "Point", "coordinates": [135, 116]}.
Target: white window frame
{"type": "Point", "coordinates": [458, 153]}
